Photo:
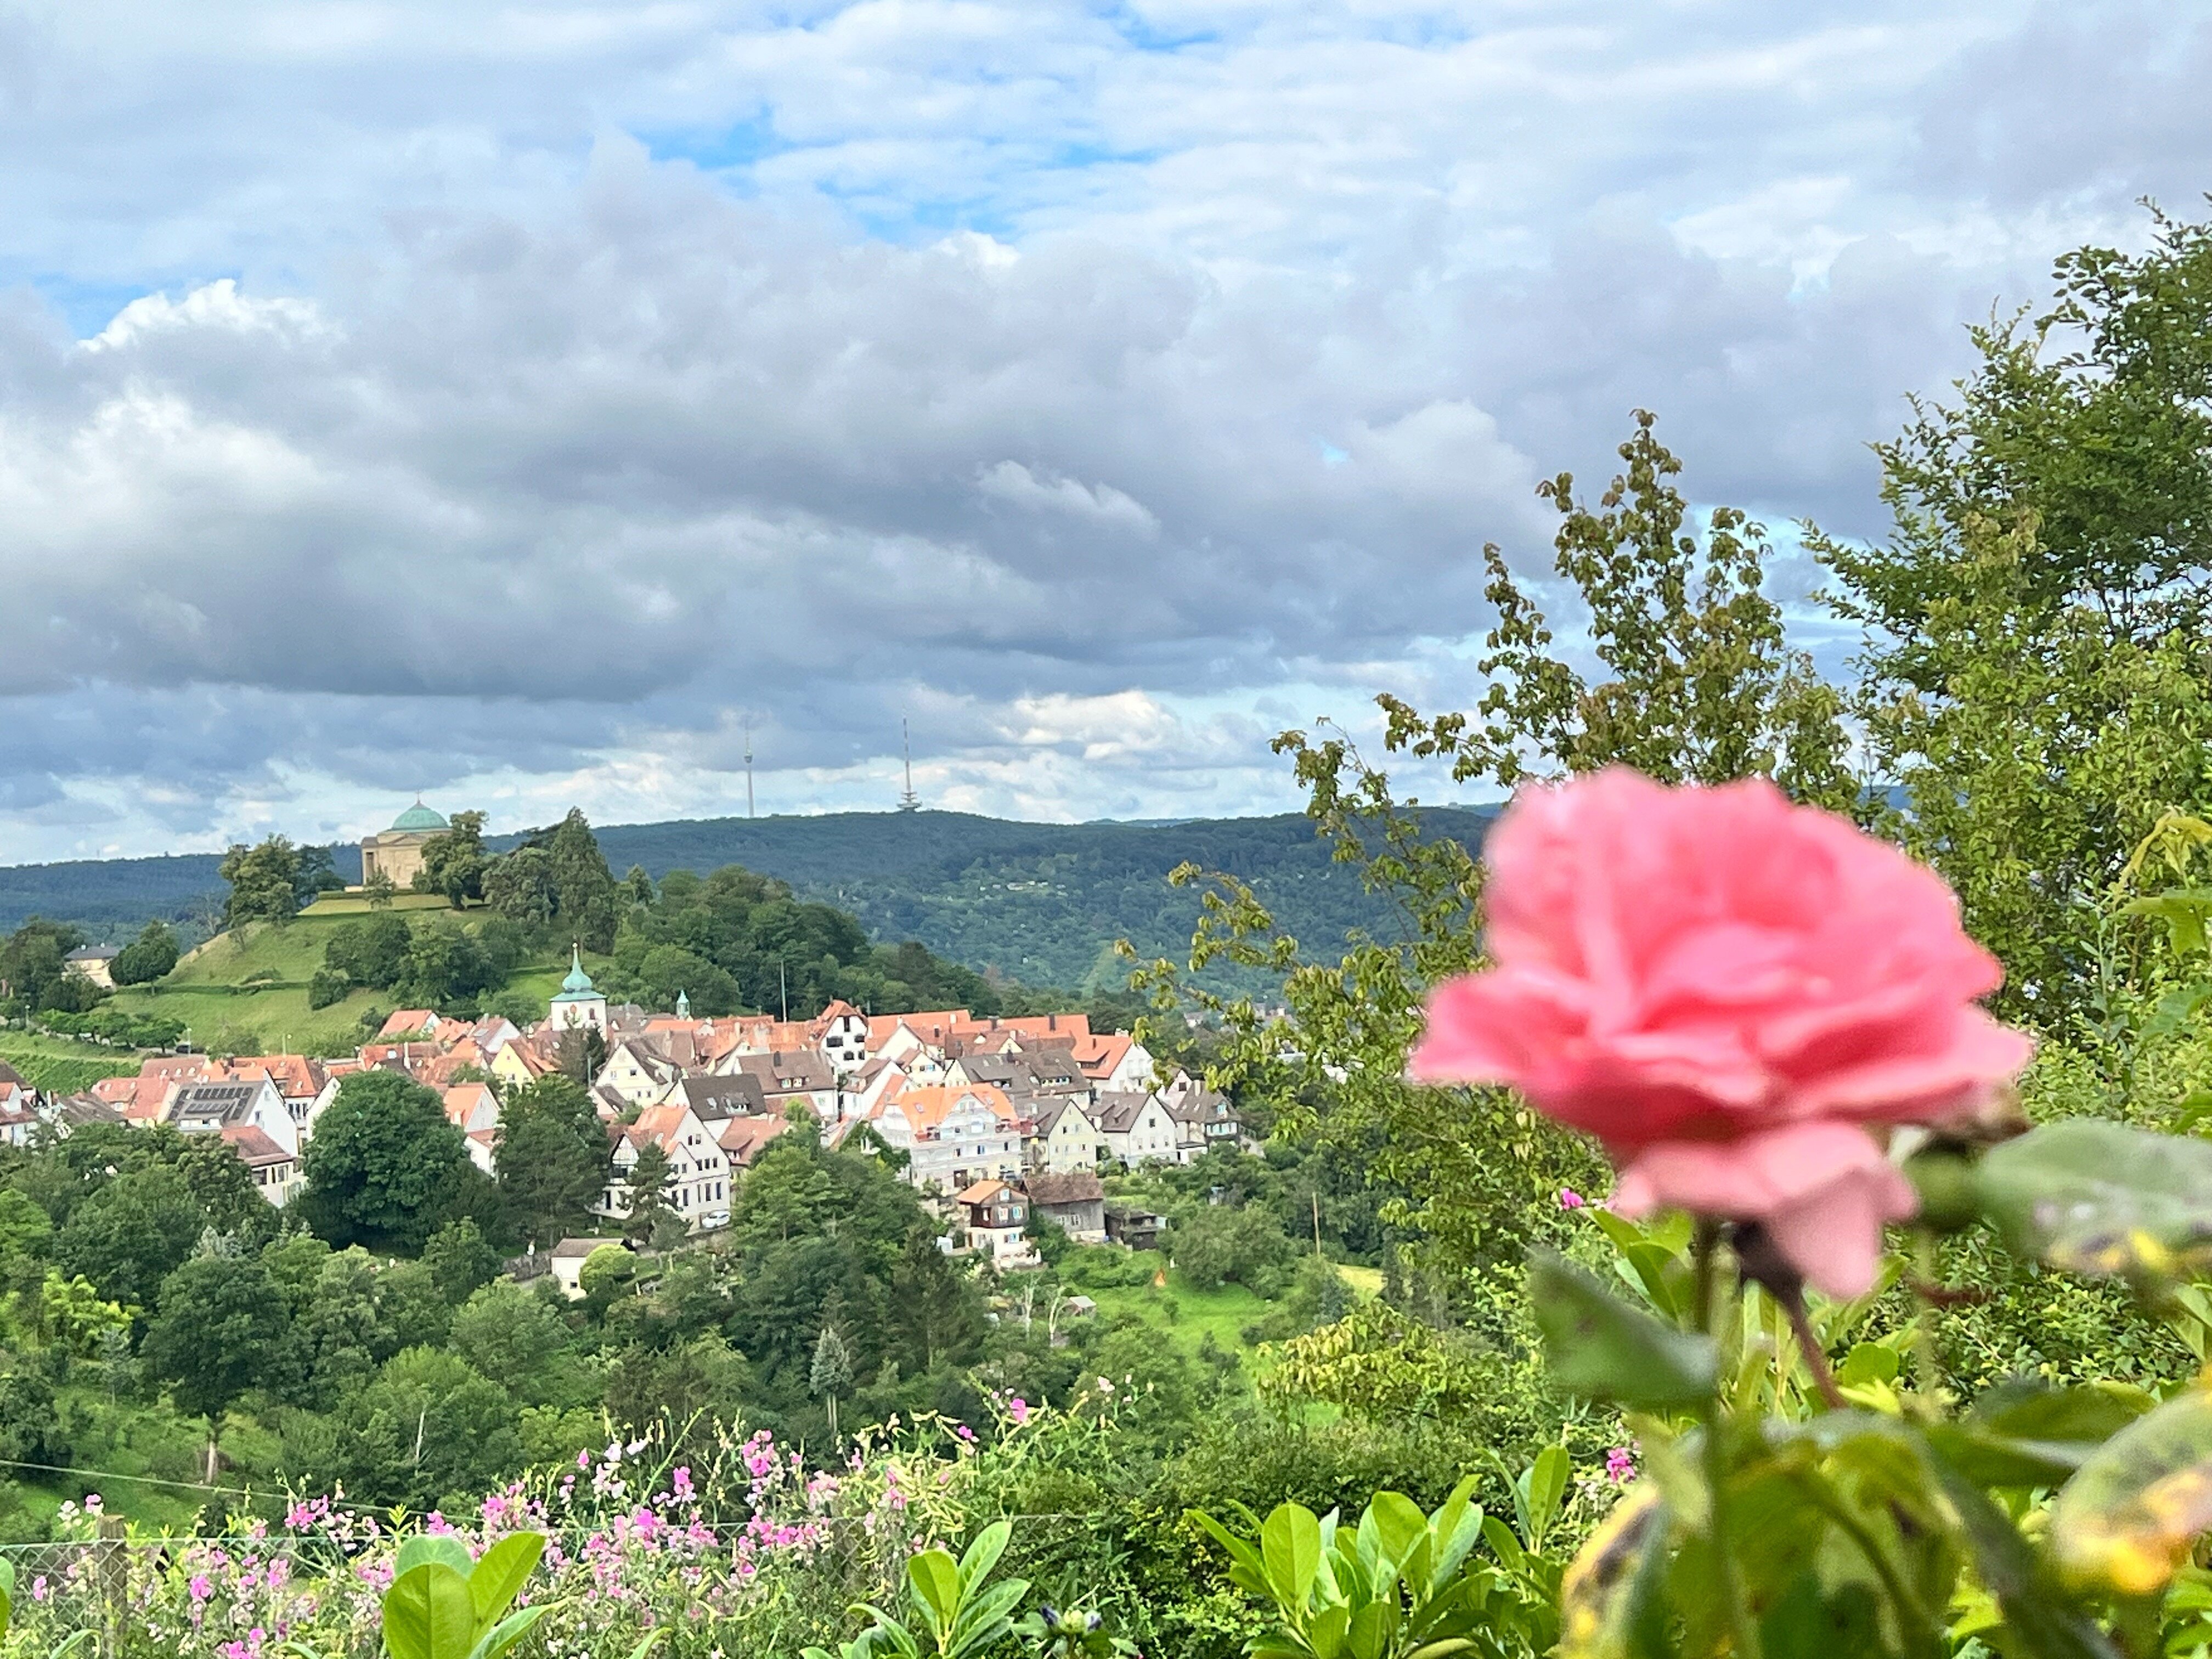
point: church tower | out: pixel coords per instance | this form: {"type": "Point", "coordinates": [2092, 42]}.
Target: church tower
{"type": "Point", "coordinates": [579, 1002]}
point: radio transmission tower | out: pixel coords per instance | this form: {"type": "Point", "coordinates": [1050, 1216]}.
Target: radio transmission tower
{"type": "Point", "coordinates": [909, 801]}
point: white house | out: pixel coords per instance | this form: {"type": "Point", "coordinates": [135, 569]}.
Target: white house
{"type": "Point", "coordinates": [844, 1041]}
{"type": "Point", "coordinates": [1136, 1127]}
{"type": "Point", "coordinates": [1117, 1062]}
{"type": "Point", "coordinates": [952, 1137]}
{"type": "Point", "coordinates": [276, 1171]}
{"type": "Point", "coordinates": [1061, 1138]}
{"type": "Point", "coordinates": [244, 1103]}
{"type": "Point", "coordinates": [635, 1072]}
{"type": "Point", "coordinates": [996, 1217]}
{"type": "Point", "coordinates": [698, 1169]}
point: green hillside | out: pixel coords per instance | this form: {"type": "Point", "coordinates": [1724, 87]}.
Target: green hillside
{"type": "Point", "coordinates": [60, 1066]}
{"type": "Point", "coordinates": [246, 991]}
{"type": "Point", "coordinates": [1040, 903]}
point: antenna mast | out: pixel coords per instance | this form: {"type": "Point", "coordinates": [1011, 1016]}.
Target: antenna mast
{"type": "Point", "coordinates": [909, 801]}
{"type": "Point", "coordinates": [748, 766]}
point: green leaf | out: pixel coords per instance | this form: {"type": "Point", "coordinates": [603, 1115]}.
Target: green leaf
{"type": "Point", "coordinates": [1608, 1586]}
{"type": "Point", "coordinates": [1658, 1273]}
{"type": "Point", "coordinates": [425, 1546]}
{"type": "Point", "coordinates": [505, 1633]}
{"type": "Point", "coordinates": [1372, 1627]}
{"type": "Point", "coordinates": [1327, 1631]}
{"type": "Point", "coordinates": [2026, 1434]}
{"type": "Point", "coordinates": [983, 1554]}
{"type": "Point", "coordinates": [427, 1615]}
{"type": "Point", "coordinates": [1543, 1488]}
{"type": "Point", "coordinates": [1400, 1526]}
{"type": "Point", "coordinates": [1867, 1362]}
{"type": "Point", "coordinates": [2130, 1514]}
{"type": "Point", "coordinates": [652, 1638]}
{"type": "Point", "coordinates": [2042, 1622]}
{"type": "Point", "coordinates": [501, 1572]}
{"type": "Point", "coordinates": [2100, 1198]}
{"type": "Point", "coordinates": [1607, 1350]}
{"type": "Point", "coordinates": [1289, 1552]}
{"type": "Point", "coordinates": [932, 1579]}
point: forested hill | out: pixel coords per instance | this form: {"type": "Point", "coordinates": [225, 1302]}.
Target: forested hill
{"type": "Point", "coordinates": [1041, 903]}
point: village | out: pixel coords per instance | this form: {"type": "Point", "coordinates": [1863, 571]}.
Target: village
{"type": "Point", "coordinates": [994, 1120]}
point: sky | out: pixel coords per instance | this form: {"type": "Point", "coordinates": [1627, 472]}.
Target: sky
{"type": "Point", "coordinates": [531, 405]}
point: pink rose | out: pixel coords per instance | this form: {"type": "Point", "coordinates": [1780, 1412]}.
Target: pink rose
{"type": "Point", "coordinates": [1720, 985]}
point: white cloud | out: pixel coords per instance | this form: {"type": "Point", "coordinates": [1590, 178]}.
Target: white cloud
{"type": "Point", "coordinates": [505, 401]}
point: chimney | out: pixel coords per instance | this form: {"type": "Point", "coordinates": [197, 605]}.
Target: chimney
{"type": "Point", "coordinates": [1052, 1022]}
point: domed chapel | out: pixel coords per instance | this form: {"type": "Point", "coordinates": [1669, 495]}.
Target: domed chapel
{"type": "Point", "coordinates": [397, 852]}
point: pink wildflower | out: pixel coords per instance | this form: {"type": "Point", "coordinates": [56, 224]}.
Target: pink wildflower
{"type": "Point", "coordinates": [1570, 1199]}
{"type": "Point", "coordinates": [1018, 1409]}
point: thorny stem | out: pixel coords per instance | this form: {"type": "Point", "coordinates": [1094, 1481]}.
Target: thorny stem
{"type": "Point", "coordinates": [1705, 1249]}
{"type": "Point", "coordinates": [1901, 1595]}
{"type": "Point", "coordinates": [1816, 1360]}
{"type": "Point", "coordinates": [1926, 1316]}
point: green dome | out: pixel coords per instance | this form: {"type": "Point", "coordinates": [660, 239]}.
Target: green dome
{"type": "Point", "coordinates": [419, 817]}
{"type": "Point", "coordinates": [579, 983]}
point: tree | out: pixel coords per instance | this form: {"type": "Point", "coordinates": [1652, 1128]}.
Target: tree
{"type": "Point", "coordinates": [454, 860]}
{"type": "Point", "coordinates": [605, 1273]}
{"type": "Point", "coordinates": [147, 957]}
{"type": "Point", "coordinates": [31, 965]}
{"type": "Point", "coordinates": [371, 953]}
{"type": "Point", "coordinates": [1696, 683]}
{"type": "Point", "coordinates": [385, 1169]}
{"type": "Point", "coordinates": [316, 874]}
{"type": "Point", "coordinates": [264, 882]}
{"type": "Point", "coordinates": [222, 1187]}
{"type": "Point", "coordinates": [2037, 648]}
{"type": "Point", "coordinates": [1217, 1244]}
{"type": "Point", "coordinates": [220, 1324]}
{"type": "Point", "coordinates": [429, 1430]}
{"type": "Point", "coordinates": [460, 1260]}
{"type": "Point", "coordinates": [512, 1334]}
{"type": "Point", "coordinates": [936, 1314]}
{"type": "Point", "coordinates": [379, 890]}
{"type": "Point", "coordinates": [831, 1372]}
{"type": "Point", "coordinates": [583, 886]}
{"type": "Point", "coordinates": [650, 1220]}
{"type": "Point", "coordinates": [519, 885]}
{"type": "Point", "coordinates": [581, 1054]}
{"type": "Point", "coordinates": [339, 1336]}
{"type": "Point", "coordinates": [551, 1153]}
{"type": "Point", "coordinates": [129, 1235]}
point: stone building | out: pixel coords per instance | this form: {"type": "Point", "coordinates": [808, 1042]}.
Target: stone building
{"type": "Point", "coordinates": [397, 852]}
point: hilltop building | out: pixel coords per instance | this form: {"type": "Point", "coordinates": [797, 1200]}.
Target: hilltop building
{"type": "Point", "coordinates": [397, 852]}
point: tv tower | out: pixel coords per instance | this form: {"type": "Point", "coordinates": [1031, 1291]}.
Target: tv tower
{"type": "Point", "coordinates": [749, 765]}
{"type": "Point", "coordinates": [909, 801]}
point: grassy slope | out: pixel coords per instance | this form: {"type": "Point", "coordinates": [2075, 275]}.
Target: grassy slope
{"type": "Point", "coordinates": [54, 1063]}
{"type": "Point", "coordinates": [254, 981]}
{"type": "Point", "coordinates": [1222, 1314]}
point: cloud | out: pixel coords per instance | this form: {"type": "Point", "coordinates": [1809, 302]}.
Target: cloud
{"type": "Point", "coordinates": [526, 409]}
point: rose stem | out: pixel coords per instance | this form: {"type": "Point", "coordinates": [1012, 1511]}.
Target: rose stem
{"type": "Point", "coordinates": [1704, 1250]}
{"type": "Point", "coordinates": [1808, 1344]}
